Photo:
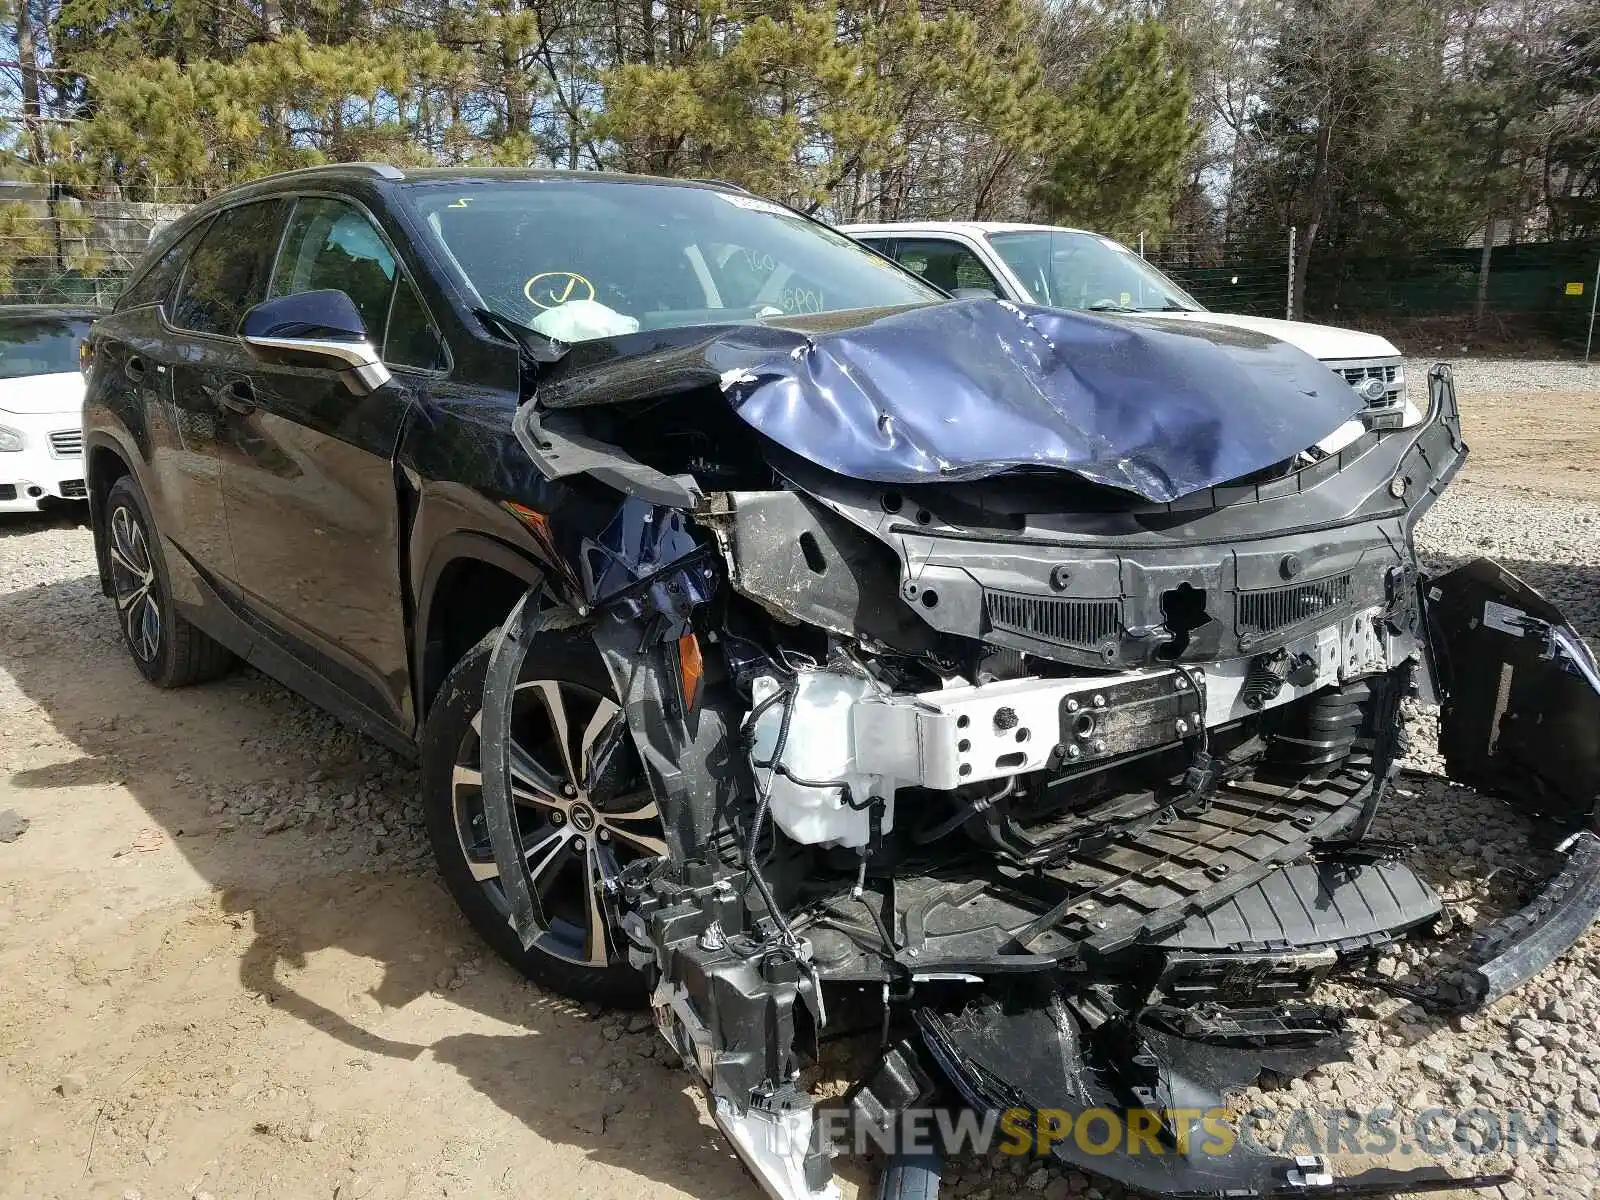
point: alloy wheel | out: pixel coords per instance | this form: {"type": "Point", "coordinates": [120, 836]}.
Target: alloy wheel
{"type": "Point", "coordinates": [133, 583]}
{"type": "Point", "coordinates": [582, 808]}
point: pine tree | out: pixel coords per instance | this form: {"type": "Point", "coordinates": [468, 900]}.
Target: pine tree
{"type": "Point", "coordinates": [826, 106]}
{"type": "Point", "coordinates": [1122, 138]}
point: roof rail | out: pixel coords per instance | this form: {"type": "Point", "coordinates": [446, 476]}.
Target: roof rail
{"type": "Point", "coordinates": [727, 183]}
{"type": "Point", "coordinates": [382, 170]}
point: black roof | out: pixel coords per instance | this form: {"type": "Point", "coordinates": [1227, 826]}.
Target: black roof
{"type": "Point", "coordinates": [32, 312]}
{"type": "Point", "coordinates": [369, 172]}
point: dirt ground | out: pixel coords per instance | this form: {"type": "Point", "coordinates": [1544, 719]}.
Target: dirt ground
{"type": "Point", "coordinates": [1546, 442]}
{"type": "Point", "coordinates": [188, 1010]}
{"type": "Point", "coordinates": [193, 1010]}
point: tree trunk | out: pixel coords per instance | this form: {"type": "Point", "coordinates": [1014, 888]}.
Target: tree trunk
{"type": "Point", "coordinates": [32, 92]}
{"type": "Point", "coordinates": [1302, 264]}
{"type": "Point", "coordinates": [33, 118]}
{"type": "Point", "coordinates": [1319, 201]}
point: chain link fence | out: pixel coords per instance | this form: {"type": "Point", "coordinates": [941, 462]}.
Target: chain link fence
{"type": "Point", "coordinates": [1250, 277]}
{"type": "Point", "coordinates": [1534, 297]}
{"type": "Point", "coordinates": [63, 249]}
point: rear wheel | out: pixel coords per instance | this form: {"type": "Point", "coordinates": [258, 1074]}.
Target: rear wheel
{"type": "Point", "coordinates": [583, 810]}
{"type": "Point", "coordinates": [167, 649]}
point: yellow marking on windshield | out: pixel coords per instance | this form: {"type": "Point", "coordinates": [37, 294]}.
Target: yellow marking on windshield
{"type": "Point", "coordinates": [462, 203]}
{"type": "Point", "coordinates": [551, 289]}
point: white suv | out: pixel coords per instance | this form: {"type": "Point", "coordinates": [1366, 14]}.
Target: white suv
{"type": "Point", "coordinates": [1073, 268]}
{"type": "Point", "coordinates": [41, 405]}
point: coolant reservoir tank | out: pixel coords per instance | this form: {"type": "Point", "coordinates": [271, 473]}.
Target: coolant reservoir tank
{"type": "Point", "coordinates": [820, 749]}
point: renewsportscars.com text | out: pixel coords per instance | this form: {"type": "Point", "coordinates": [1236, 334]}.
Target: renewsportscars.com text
{"type": "Point", "coordinates": [1217, 1131]}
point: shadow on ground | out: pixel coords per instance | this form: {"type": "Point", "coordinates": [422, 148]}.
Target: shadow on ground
{"type": "Point", "coordinates": [561, 1075]}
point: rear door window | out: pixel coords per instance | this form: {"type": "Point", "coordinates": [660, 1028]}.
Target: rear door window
{"type": "Point", "coordinates": [944, 263]}
{"type": "Point", "coordinates": [331, 244]}
{"type": "Point", "coordinates": [156, 284]}
{"type": "Point", "coordinates": [227, 274]}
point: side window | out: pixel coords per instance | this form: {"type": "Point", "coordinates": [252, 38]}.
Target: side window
{"type": "Point", "coordinates": [155, 285]}
{"type": "Point", "coordinates": [330, 244]}
{"type": "Point", "coordinates": [945, 264]}
{"type": "Point", "coordinates": [880, 244]}
{"type": "Point", "coordinates": [411, 339]}
{"type": "Point", "coordinates": [227, 273]}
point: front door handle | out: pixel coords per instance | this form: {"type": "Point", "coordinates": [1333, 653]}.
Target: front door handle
{"type": "Point", "coordinates": [134, 368]}
{"type": "Point", "coordinates": [237, 396]}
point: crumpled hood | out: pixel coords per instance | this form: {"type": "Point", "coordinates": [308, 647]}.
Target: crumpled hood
{"type": "Point", "coordinates": [972, 388]}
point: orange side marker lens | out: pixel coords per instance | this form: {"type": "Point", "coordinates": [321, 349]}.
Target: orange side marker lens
{"type": "Point", "coordinates": [691, 669]}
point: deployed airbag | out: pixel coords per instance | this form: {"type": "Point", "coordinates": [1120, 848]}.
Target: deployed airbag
{"type": "Point", "coordinates": [972, 388]}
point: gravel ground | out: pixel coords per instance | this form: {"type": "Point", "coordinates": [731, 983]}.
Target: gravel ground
{"type": "Point", "coordinates": [1476, 376]}
{"type": "Point", "coordinates": [345, 806]}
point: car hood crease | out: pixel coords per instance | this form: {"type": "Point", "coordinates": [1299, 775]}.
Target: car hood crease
{"type": "Point", "coordinates": [974, 388]}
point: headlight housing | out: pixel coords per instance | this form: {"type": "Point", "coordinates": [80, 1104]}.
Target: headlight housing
{"type": "Point", "coordinates": [12, 439]}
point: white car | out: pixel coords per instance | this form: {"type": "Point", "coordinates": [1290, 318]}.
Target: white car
{"type": "Point", "coordinates": [41, 405]}
{"type": "Point", "coordinates": [1074, 268]}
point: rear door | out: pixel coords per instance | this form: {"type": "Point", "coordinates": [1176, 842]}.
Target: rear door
{"type": "Point", "coordinates": [1520, 693]}
{"type": "Point", "coordinates": [311, 493]}
{"type": "Point", "coordinates": [202, 361]}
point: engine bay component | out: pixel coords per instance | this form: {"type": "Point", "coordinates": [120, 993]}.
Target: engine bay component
{"type": "Point", "coordinates": [823, 788]}
{"type": "Point", "coordinates": [973, 734]}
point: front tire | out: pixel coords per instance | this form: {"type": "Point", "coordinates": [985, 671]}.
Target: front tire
{"type": "Point", "coordinates": [168, 650]}
{"type": "Point", "coordinates": [583, 809]}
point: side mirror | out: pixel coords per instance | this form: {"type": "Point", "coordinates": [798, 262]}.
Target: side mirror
{"type": "Point", "coordinates": [316, 329]}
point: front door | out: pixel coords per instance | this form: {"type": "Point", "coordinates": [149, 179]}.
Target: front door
{"type": "Point", "coordinates": [310, 491]}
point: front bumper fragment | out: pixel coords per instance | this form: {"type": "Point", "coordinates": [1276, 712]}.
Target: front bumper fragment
{"type": "Point", "coordinates": [1514, 950]}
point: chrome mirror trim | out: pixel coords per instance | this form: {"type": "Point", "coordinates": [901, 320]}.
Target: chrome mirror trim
{"type": "Point", "coordinates": [363, 372]}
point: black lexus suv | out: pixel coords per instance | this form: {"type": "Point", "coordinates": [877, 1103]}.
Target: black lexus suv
{"type": "Point", "coordinates": [807, 650]}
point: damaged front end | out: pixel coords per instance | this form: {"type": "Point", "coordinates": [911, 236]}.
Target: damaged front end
{"type": "Point", "coordinates": [1062, 791]}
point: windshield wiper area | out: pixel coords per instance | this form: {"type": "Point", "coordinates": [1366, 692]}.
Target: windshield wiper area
{"type": "Point", "coordinates": [535, 345]}
{"type": "Point", "coordinates": [1113, 306]}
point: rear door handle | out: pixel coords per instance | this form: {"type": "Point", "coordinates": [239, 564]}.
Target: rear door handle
{"type": "Point", "coordinates": [237, 396]}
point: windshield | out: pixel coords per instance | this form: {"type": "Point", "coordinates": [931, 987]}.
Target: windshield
{"type": "Point", "coordinates": [577, 259]}
{"type": "Point", "coordinates": [40, 345]}
{"type": "Point", "coordinates": [1065, 268]}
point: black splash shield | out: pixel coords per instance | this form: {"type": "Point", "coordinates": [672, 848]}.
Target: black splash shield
{"type": "Point", "coordinates": [1141, 1104]}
